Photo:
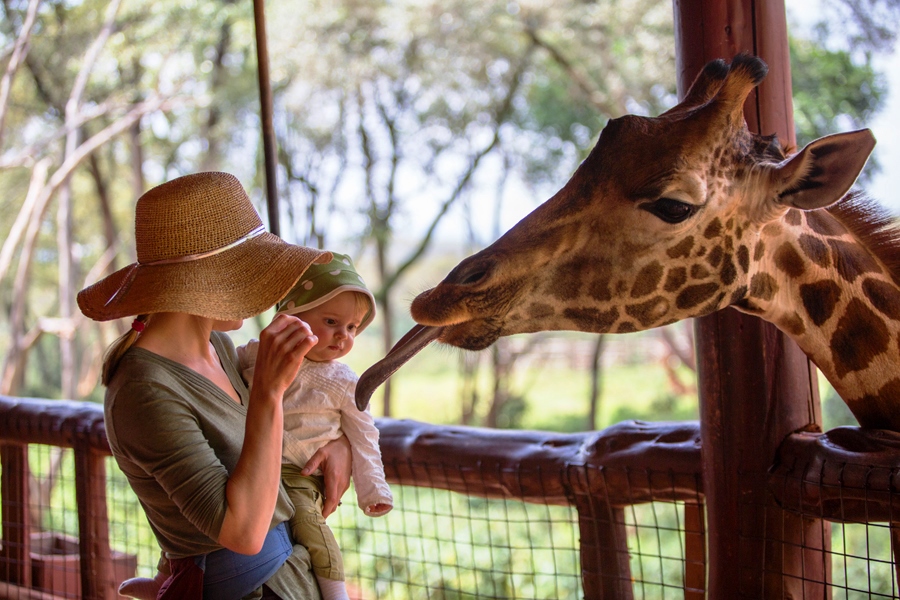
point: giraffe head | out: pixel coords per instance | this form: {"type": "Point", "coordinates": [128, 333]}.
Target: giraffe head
{"type": "Point", "coordinates": [664, 220]}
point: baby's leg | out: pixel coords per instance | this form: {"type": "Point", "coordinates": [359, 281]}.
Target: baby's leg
{"type": "Point", "coordinates": [309, 528]}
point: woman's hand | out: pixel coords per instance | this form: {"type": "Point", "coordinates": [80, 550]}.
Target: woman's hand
{"type": "Point", "coordinates": [282, 346]}
{"type": "Point", "coordinates": [252, 488]}
{"type": "Point", "coordinates": [335, 461]}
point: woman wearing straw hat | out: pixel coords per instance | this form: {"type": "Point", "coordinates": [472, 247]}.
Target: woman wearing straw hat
{"type": "Point", "coordinates": [203, 458]}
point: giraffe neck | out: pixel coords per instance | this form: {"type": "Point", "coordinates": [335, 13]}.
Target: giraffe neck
{"type": "Point", "coordinates": [821, 285]}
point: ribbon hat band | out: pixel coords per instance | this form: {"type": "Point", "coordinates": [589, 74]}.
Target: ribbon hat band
{"type": "Point", "coordinates": [182, 259]}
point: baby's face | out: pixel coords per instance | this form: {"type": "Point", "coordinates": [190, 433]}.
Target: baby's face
{"type": "Point", "coordinates": [335, 324]}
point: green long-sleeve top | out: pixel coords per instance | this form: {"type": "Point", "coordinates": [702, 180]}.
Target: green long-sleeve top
{"type": "Point", "coordinates": [177, 436]}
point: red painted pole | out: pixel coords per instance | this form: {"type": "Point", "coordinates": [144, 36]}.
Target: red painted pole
{"type": "Point", "coordinates": [265, 114]}
{"type": "Point", "coordinates": [755, 392]}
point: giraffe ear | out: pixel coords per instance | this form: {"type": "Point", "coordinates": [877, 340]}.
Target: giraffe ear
{"type": "Point", "coordinates": [821, 173]}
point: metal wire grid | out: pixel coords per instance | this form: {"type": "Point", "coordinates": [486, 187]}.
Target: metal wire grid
{"type": "Point", "coordinates": [442, 544]}
{"type": "Point", "coordinates": [439, 544]}
{"type": "Point", "coordinates": [859, 557]}
{"type": "Point", "coordinates": [55, 563]}
{"type": "Point", "coordinates": [663, 542]}
{"type": "Point", "coordinates": [656, 534]}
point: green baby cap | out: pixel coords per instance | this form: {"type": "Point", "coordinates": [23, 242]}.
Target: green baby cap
{"type": "Point", "coordinates": [321, 283]}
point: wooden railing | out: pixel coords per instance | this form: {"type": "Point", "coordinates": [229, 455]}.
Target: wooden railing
{"type": "Point", "coordinates": [846, 475]}
{"type": "Point", "coordinates": [76, 425]}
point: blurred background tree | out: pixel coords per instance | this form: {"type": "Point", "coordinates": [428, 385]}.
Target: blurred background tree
{"type": "Point", "coordinates": [409, 133]}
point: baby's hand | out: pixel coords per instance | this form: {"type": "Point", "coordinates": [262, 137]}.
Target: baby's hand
{"type": "Point", "coordinates": [379, 509]}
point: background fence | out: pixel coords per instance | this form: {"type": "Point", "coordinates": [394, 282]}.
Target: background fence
{"type": "Point", "coordinates": [479, 513]}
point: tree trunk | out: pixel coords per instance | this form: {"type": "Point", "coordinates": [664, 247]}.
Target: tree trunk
{"type": "Point", "coordinates": [212, 159]}
{"type": "Point", "coordinates": [387, 321]}
{"type": "Point", "coordinates": [469, 363]}
{"type": "Point", "coordinates": [596, 380]}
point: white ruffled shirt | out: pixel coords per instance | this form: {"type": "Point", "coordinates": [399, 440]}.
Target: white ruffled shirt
{"type": "Point", "coordinates": [319, 406]}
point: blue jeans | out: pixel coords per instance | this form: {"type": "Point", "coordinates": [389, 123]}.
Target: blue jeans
{"type": "Point", "coordinates": [228, 575]}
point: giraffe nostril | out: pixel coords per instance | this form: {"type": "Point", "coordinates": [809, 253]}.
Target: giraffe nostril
{"type": "Point", "coordinates": [475, 272]}
{"type": "Point", "coordinates": [473, 277]}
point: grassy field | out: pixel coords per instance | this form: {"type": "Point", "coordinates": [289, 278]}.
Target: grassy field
{"type": "Point", "coordinates": [554, 387]}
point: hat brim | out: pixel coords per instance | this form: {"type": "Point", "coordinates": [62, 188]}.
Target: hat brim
{"type": "Point", "coordinates": [238, 283]}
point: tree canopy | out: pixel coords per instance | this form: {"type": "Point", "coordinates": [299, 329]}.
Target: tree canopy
{"type": "Point", "coordinates": [389, 117]}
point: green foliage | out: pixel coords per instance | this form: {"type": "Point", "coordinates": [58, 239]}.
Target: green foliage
{"type": "Point", "coordinates": [833, 92]}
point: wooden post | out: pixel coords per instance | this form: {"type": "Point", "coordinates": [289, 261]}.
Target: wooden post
{"type": "Point", "coordinates": [93, 525]}
{"type": "Point", "coordinates": [605, 566]}
{"type": "Point", "coordinates": [756, 385]}
{"type": "Point", "coordinates": [265, 115]}
{"type": "Point", "coordinates": [15, 557]}
{"type": "Point", "coordinates": [694, 551]}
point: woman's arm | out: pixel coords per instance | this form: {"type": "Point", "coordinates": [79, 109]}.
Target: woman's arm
{"type": "Point", "coordinates": [334, 460]}
{"type": "Point", "coordinates": [252, 488]}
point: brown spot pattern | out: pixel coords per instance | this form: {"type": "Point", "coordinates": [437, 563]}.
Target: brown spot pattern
{"type": "Point", "coordinates": [647, 280]}
{"type": "Point", "coordinates": [599, 289]}
{"type": "Point", "coordinates": [763, 286]}
{"type": "Point", "coordinates": [715, 256]}
{"type": "Point", "coordinates": [816, 250]}
{"type": "Point", "coordinates": [793, 325]}
{"type": "Point", "coordinates": [698, 271]}
{"type": "Point", "coordinates": [714, 229]}
{"type": "Point", "coordinates": [861, 335]}
{"type": "Point", "coordinates": [819, 300]}
{"type": "Point", "coordinates": [675, 279]}
{"type": "Point", "coordinates": [738, 295]}
{"type": "Point", "coordinates": [592, 319]}
{"type": "Point", "coordinates": [823, 223]}
{"type": "Point", "coordinates": [792, 217]}
{"type": "Point", "coordinates": [566, 281]}
{"type": "Point", "coordinates": [883, 296]}
{"type": "Point", "coordinates": [788, 260]}
{"type": "Point", "coordinates": [728, 273]}
{"type": "Point", "coordinates": [851, 261]}
{"type": "Point", "coordinates": [693, 295]}
{"type": "Point", "coordinates": [878, 411]}
{"type": "Point", "coordinates": [682, 249]}
{"type": "Point", "coordinates": [626, 327]}
{"type": "Point", "coordinates": [759, 251]}
{"type": "Point", "coordinates": [743, 257]}
{"type": "Point", "coordinates": [713, 305]}
{"type": "Point", "coordinates": [540, 309]}
{"type": "Point", "coordinates": [647, 313]}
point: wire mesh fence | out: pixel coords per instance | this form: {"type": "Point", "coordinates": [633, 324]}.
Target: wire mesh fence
{"type": "Point", "coordinates": [603, 515]}
{"type": "Point", "coordinates": [439, 544]}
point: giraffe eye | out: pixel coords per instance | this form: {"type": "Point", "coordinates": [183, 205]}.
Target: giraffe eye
{"type": "Point", "coordinates": [669, 209]}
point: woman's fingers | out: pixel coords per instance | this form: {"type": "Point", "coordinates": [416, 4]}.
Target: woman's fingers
{"type": "Point", "coordinates": [282, 346]}
{"type": "Point", "coordinates": [334, 459]}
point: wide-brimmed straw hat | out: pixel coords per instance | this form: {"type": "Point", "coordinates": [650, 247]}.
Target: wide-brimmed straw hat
{"type": "Point", "coordinates": [322, 282]}
{"type": "Point", "coordinates": [201, 249]}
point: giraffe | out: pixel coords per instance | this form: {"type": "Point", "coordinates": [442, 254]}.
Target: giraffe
{"type": "Point", "coordinates": [684, 214]}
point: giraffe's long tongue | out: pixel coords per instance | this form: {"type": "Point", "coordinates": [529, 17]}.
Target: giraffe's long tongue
{"type": "Point", "coordinates": [408, 346]}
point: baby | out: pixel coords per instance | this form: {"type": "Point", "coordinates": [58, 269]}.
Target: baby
{"type": "Point", "coordinates": [319, 406]}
